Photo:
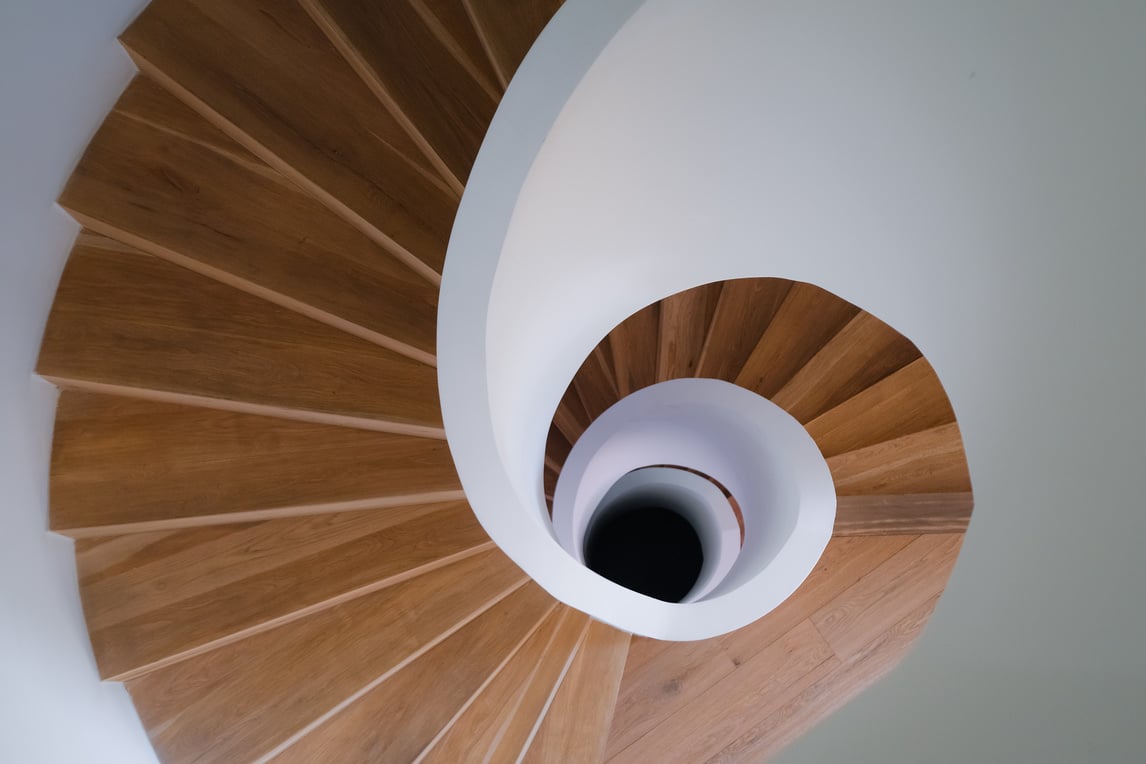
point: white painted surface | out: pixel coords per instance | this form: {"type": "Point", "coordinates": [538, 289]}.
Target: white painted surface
{"type": "Point", "coordinates": [60, 71]}
{"type": "Point", "coordinates": [972, 173]}
{"type": "Point", "coordinates": [755, 449]}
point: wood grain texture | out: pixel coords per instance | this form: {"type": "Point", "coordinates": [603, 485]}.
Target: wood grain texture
{"type": "Point", "coordinates": [140, 324]}
{"type": "Point", "coordinates": [864, 352]}
{"type": "Point", "coordinates": [909, 400]}
{"type": "Point", "coordinates": [595, 385]}
{"type": "Point", "coordinates": [806, 320]}
{"type": "Point", "coordinates": [476, 729]}
{"type": "Point", "coordinates": [634, 344]}
{"type": "Point", "coordinates": [245, 699]}
{"type": "Point", "coordinates": [219, 217]}
{"type": "Point", "coordinates": [509, 29]}
{"type": "Point", "coordinates": [186, 604]}
{"type": "Point", "coordinates": [909, 514]}
{"type": "Point", "coordinates": [265, 74]}
{"type": "Point", "coordinates": [576, 726]}
{"type": "Point", "coordinates": [398, 718]}
{"type": "Point", "coordinates": [664, 678]}
{"type": "Point", "coordinates": [931, 461]}
{"type": "Point", "coordinates": [457, 30]}
{"type": "Point", "coordinates": [397, 53]}
{"type": "Point", "coordinates": [741, 697]}
{"type": "Point", "coordinates": [685, 319]}
{"type": "Point", "coordinates": [127, 465]}
{"type": "Point", "coordinates": [744, 311]}
{"type": "Point", "coordinates": [571, 419]}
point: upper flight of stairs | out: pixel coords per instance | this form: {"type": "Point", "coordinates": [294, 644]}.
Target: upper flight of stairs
{"type": "Point", "coordinates": [273, 547]}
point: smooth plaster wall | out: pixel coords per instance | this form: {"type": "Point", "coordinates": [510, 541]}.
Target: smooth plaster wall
{"type": "Point", "coordinates": [60, 71]}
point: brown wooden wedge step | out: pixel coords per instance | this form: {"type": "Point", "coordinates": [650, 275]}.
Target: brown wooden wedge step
{"type": "Point", "coordinates": [213, 592]}
{"type": "Point", "coordinates": [138, 325]}
{"type": "Point", "coordinates": [396, 719]}
{"type": "Point", "coordinates": [395, 49]}
{"type": "Point", "coordinates": [125, 465]}
{"type": "Point", "coordinates": [743, 312]}
{"type": "Point", "coordinates": [452, 23]}
{"type": "Point", "coordinates": [685, 321]}
{"type": "Point", "coordinates": [509, 29]}
{"type": "Point", "coordinates": [913, 513]}
{"type": "Point", "coordinates": [931, 461]}
{"type": "Point", "coordinates": [576, 725]}
{"type": "Point", "coordinates": [244, 225]}
{"type": "Point", "coordinates": [247, 698]}
{"type": "Point", "coordinates": [634, 343]}
{"type": "Point", "coordinates": [265, 74]}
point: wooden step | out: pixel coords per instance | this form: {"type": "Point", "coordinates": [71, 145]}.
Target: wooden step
{"type": "Point", "coordinates": [743, 312]}
{"type": "Point", "coordinates": [396, 719]}
{"type": "Point", "coordinates": [538, 694]}
{"type": "Point", "coordinates": [571, 419]}
{"type": "Point", "coordinates": [864, 352]}
{"type": "Point", "coordinates": [125, 465]}
{"type": "Point", "coordinates": [634, 344]}
{"type": "Point", "coordinates": [685, 320]}
{"type": "Point", "coordinates": [171, 195]}
{"type": "Point", "coordinates": [417, 73]}
{"type": "Point", "coordinates": [595, 385]}
{"type": "Point", "coordinates": [453, 24]}
{"type": "Point", "coordinates": [930, 461]}
{"type": "Point", "coordinates": [576, 726]}
{"type": "Point", "coordinates": [265, 74]}
{"type": "Point", "coordinates": [909, 513]}
{"type": "Point", "coordinates": [246, 699]}
{"type": "Point", "coordinates": [209, 588]}
{"type": "Point", "coordinates": [510, 29]}
{"type": "Point", "coordinates": [806, 320]}
{"type": "Point", "coordinates": [478, 726]}
{"type": "Point", "coordinates": [137, 325]}
{"type": "Point", "coordinates": [909, 400]}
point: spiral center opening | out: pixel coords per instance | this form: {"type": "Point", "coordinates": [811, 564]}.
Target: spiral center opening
{"type": "Point", "coordinates": [648, 548]}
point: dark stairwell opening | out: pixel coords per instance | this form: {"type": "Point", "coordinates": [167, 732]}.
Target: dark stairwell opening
{"type": "Point", "coordinates": [646, 548]}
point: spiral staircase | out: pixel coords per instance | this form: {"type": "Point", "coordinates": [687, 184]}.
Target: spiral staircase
{"type": "Point", "coordinates": [274, 550]}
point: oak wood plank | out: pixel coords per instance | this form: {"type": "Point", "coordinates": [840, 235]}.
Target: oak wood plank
{"type": "Point", "coordinates": [144, 326]}
{"type": "Point", "coordinates": [909, 400]}
{"type": "Point", "coordinates": [724, 711]}
{"type": "Point", "coordinates": [459, 32]}
{"type": "Point", "coordinates": [864, 352]}
{"type": "Point", "coordinates": [685, 320]}
{"type": "Point", "coordinates": [199, 208]}
{"type": "Point", "coordinates": [246, 698]}
{"type": "Point", "coordinates": [396, 719]}
{"type": "Point", "coordinates": [745, 309]}
{"type": "Point", "coordinates": [805, 321]}
{"type": "Point", "coordinates": [473, 732]}
{"type": "Point", "coordinates": [663, 678]}
{"type": "Point", "coordinates": [594, 385]}
{"type": "Point", "coordinates": [912, 514]}
{"type": "Point", "coordinates": [931, 461]}
{"type": "Point", "coordinates": [265, 74]}
{"type": "Point", "coordinates": [835, 688]}
{"type": "Point", "coordinates": [398, 54]}
{"type": "Point", "coordinates": [200, 603]}
{"type": "Point", "coordinates": [571, 419]}
{"type": "Point", "coordinates": [517, 733]}
{"type": "Point", "coordinates": [576, 726]}
{"type": "Point", "coordinates": [510, 29]}
{"type": "Point", "coordinates": [634, 344]}
{"type": "Point", "coordinates": [121, 464]}
{"type": "Point", "coordinates": [907, 581]}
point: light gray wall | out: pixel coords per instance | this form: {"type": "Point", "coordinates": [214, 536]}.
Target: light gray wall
{"type": "Point", "coordinates": [60, 71]}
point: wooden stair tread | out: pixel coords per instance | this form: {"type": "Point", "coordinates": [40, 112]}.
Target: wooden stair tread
{"type": "Point", "coordinates": [480, 725]}
{"type": "Point", "coordinates": [743, 312]}
{"type": "Point", "coordinates": [456, 23]}
{"type": "Point", "coordinates": [510, 29]}
{"type": "Point", "coordinates": [248, 227]}
{"type": "Point", "coordinates": [634, 344]}
{"type": "Point", "coordinates": [930, 461]}
{"type": "Point", "coordinates": [594, 385]}
{"type": "Point", "coordinates": [212, 593]}
{"type": "Point", "coordinates": [396, 719]}
{"type": "Point", "coordinates": [245, 699]}
{"type": "Point", "coordinates": [122, 464]}
{"type": "Point", "coordinates": [397, 52]}
{"type": "Point", "coordinates": [685, 320]}
{"type": "Point", "coordinates": [576, 726]}
{"type": "Point", "coordinates": [263, 72]}
{"type": "Point", "coordinates": [137, 323]}
{"type": "Point", "coordinates": [913, 513]}
{"type": "Point", "coordinates": [542, 686]}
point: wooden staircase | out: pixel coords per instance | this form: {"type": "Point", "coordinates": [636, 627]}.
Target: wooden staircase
{"type": "Point", "coordinates": [273, 547]}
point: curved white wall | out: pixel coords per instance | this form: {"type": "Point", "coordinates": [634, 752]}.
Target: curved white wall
{"type": "Point", "coordinates": [972, 173]}
{"type": "Point", "coordinates": [60, 72]}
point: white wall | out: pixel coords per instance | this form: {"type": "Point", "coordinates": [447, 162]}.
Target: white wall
{"type": "Point", "coordinates": [60, 71]}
